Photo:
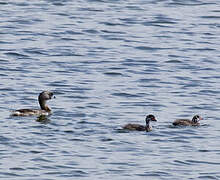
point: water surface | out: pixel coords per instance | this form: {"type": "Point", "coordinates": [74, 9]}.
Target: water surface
{"type": "Point", "coordinates": [110, 63]}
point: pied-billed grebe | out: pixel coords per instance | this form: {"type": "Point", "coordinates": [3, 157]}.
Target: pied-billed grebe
{"type": "Point", "coordinates": [138, 127]}
{"type": "Point", "coordinates": [45, 110]}
{"type": "Point", "coordinates": [187, 122]}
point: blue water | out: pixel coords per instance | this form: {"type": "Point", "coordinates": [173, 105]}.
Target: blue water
{"type": "Point", "coordinates": [110, 62]}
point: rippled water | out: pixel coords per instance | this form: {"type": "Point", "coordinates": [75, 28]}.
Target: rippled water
{"type": "Point", "coordinates": [110, 62]}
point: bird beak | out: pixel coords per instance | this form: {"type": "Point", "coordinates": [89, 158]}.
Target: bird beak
{"type": "Point", "coordinates": [200, 118]}
{"type": "Point", "coordinates": [154, 119]}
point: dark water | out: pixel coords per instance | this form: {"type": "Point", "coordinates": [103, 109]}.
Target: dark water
{"type": "Point", "coordinates": [110, 62]}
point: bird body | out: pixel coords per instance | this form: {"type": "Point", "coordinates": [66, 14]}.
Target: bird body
{"type": "Point", "coordinates": [30, 112]}
{"type": "Point", "coordinates": [137, 127]}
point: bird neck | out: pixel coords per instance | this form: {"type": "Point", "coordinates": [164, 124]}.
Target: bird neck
{"type": "Point", "coordinates": [148, 127]}
{"type": "Point", "coordinates": [194, 120]}
{"type": "Point", "coordinates": [147, 123]}
{"type": "Point", "coordinates": [43, 105]}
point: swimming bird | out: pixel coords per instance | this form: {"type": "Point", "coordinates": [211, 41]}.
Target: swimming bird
{"type": "Point", "coordinates": [138, 127]}
{"type": "Point", "coordinates": [187, 122]}
{"type": "Point", "coordinates": [45, 110]}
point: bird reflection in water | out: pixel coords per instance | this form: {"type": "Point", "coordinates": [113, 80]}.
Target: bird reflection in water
{"type": "Point", "coordinates": [43, 119]}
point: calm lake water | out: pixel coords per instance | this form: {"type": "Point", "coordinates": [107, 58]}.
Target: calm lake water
{"type": "Point", "coordinates": [109, 63]}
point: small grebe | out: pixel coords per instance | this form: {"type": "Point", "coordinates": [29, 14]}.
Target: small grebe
{"type": "Point", "coordinates": [45, 110]}
{"type": "Point", "coordinates": [187, 122]}
{"type": "Point", "coordinates": [137, 127]}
